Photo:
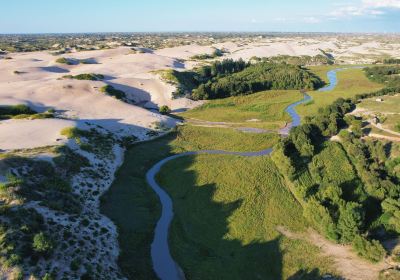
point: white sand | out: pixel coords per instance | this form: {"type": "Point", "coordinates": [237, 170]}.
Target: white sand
{"type": "Point", "coordinates": [24, 134]}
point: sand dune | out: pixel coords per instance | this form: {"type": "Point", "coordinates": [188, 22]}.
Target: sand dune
{"type": "Point", "coordinates": [36, 78]}
{"type": "Point", "coordinates": [26, 134]}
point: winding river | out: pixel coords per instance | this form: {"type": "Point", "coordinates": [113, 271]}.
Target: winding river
{"type": "Point", "coordinates": [163, 263]}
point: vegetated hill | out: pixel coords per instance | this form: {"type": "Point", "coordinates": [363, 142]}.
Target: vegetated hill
{"type": "Point", "coordinates": [347, 191]}
{"type": "Point", "coordinates": [258, 77]}
{"type": "Point", "coordinates": [232, 78]}
{"type": "Point", "coordinates": [303, 60]}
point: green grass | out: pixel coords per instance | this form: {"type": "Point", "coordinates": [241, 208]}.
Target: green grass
{"type": "Point", "coordinates": [130, 193]}
{"type": "Point", "coordinates": [351, 83]}
{"type": "Point", "coordinates": [227, 210]}
{"type": "Point", "coordinates": [267, 107]}
{"type": "Point", "coordinates": [88, 77]}
{"type": "Point", "coordinates": [390, 104]}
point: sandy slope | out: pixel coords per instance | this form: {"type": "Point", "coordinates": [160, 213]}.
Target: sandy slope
{"type": "Point", "coordinates": [24, 134]}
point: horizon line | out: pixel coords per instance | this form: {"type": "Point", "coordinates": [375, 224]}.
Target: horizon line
{"type": "Point", "coordinates": [203, 32]}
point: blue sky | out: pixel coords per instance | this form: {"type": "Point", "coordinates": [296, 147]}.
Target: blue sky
{"type": "Point", "coordinates": [48, 16]}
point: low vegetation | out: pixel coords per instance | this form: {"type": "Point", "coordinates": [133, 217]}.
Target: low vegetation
{"type": "Point", "coordinates": [23, 112]}
{"type": "Point", "coordinates": [130, 193]}
{"type": "Point", "coordinates": [73, 61]}
{"type": "Point", "coordinates": [89, 77]}
{"type": "Point", "coordinates": [225, 225]}
{"type": "Point", "coordinates": [259, 110]}
{"type": "Point", "coordinates": [164, 110]}
{"type": "Point", "coordinates": [216, 53]}
{"type": "Point", "coordinates": [111, 91]}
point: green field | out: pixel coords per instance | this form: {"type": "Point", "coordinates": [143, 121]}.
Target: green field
{"type": "Point", "coordinates": [130, 193]}
{"type": "Point", "coordinates": [351, 83]}
{"type": "Point", "coordinates": [389, 104]}
{"type": "Point", "coordinates": [266, 109]}
{"type": "Point", "coordinates": [227, 210]}
{"type": "Point", "coordinates": [388, 110]}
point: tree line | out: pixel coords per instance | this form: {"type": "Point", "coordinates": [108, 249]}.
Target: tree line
{"type": "Point", "coordinates": [242, 79]}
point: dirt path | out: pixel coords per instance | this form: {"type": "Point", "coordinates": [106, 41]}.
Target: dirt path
{"type": "Point", "coordinates": [347, 263]}
{"type": "Point", "coordinates": [379, 126]}
{"type": "Point", "coordinates": [380, 136]}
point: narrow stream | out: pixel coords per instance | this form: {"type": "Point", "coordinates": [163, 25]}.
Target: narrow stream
{"type": "Point", "coordinates": [163, 263]}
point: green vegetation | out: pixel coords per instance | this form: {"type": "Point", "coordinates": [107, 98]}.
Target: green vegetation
{"type": "Point", "coordinates": [91, 140]}
{"type": "Point", "coordinates": [227, 208]}
{"type": "Point", "coordinates": [345, 188]}
{"type": "Point", "coordinates": [303, 60]}
{"type": "Point", "coordinates": [73, 61]}
{"type": "Point", "coordinates": [64, 60]}
{"type": "Point", "coordinates": [262, 109]}
{"type": "Point", "coordinates": [42, 244]}
{"type": "Point", "coordinates": [255, 78]}
{"type": "Point", "coordinates": [89, 77]}
{"type": "Point", "coordinates": [22, 112]}
{"type": "Point", "coordinates": [186, 81]}
{"type": "Point", "coordinates": [130, 193]}
{"type": "Point", "coordinates": [216, 53]}
{"type": "Point", "coordinates": [226, 224]}
{"type": "Point", "coordinates": [352, 82]}
{"type": "Point", "coordinates": [110, 90]}
{"type": "Point", "coordinates": [391, 61]}
{"type": "Point", "coordinates": [24, 235]}
{"type": "Point", "coordinates": [389, 75]}
{"type": "Point", "coordinates": [164, 110]}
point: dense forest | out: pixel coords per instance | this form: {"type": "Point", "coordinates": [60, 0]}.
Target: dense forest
{"type": "Point", "coordinates": [349, 192]}
{"type": "Point", "coordinates": [297, 60]}
{"type": "Point", "coordinates": [255, 78]}
{"type": "Point", "coordinates": [228, 77]}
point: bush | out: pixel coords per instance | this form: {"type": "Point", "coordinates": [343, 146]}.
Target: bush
{"type": "Point", "coordinates": [110, 90]}
{"type": "Point", "coordinates": [42, 244]}
{"type": "Point", "coordinates": [88, 77]}
{"type": "Point", "coordinates": [64, 60]}
{"type": "Point", "coordinates": [371, 250]}
{"type": "Point", "coordinates": [164, 110]}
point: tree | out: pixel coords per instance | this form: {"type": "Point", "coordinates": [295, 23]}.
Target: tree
{"type": "Point", "coordinates": [165, 110]}
{"type": "Point", "coordinates": [391, 208]}
{"type": "Point", "coordinates": [350, 220]}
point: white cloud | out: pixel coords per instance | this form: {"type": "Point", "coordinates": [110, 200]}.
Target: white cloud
{"type": "Point", "coordinates": [382, 3]}
{"type": "Point", "coordinates": [366, 8]}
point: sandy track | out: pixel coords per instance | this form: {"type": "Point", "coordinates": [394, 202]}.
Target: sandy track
{"type": "Point", "coordinates": [347, 263]}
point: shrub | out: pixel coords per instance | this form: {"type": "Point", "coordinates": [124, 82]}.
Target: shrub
{"type": "Point", "coordinates": [63, 60]}
{"type": "Point", "coordinates": [88, 77]}
{"type": "Point", "coordinates": [371, 250]}
{"type": "Point", "coordinates": [110, 90]}
{"type": "Point", "coordinates": [164, 110]}
{"type": "Point", "coordinates": [42, 244]}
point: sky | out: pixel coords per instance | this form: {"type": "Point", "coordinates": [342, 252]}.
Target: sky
{"type": "Point", "coordinates": [74, 16]}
